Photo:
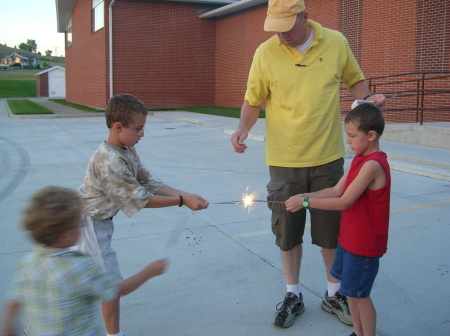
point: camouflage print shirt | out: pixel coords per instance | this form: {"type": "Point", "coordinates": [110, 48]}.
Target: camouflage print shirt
{"type": "Point", "coordinates": [116, 180]}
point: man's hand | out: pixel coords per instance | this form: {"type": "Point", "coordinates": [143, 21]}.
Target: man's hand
{"type": "Point", "coordinates": [380, 101]}
{"type": "Point", "coordinates": [237, 140]}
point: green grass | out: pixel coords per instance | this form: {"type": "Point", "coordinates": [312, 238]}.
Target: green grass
{"type": "Point", "coordinates": [18, 75]}
{"type": "Point", "coordinates": [213, 110]}
{"type": "Point", "coordinates": [232, 112]}
{"type": "Point", "coordinates": [16, 88]}
{"type": "Point", "coordinates": [77, 106]}
{"type": "Point", "coordinates": [25, 106]}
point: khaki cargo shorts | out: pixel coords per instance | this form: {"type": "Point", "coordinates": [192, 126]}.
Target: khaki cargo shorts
{"type": "Point", "coordinates": [288, 227]}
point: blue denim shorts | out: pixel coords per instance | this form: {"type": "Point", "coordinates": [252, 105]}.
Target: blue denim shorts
{"type": "Point", "coordinates": [357, 273]}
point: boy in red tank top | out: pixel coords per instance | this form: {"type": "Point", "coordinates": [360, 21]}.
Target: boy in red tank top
{"type": "Point", "coordinates": [363, 196]}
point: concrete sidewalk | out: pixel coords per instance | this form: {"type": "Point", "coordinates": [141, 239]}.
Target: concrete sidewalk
{"type": "Point", "coordinates": [225, 276]}
{"type": "Point", "coordinates": [411, 158]}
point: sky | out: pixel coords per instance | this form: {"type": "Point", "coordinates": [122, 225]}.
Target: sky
{"type": "Point", "coordinates": [31, 19]}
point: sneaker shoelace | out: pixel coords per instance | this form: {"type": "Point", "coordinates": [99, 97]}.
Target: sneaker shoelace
{"type": "Point", "coordinates": [285, 303]}
{"type": "Point", "coordinates": [341, 298]}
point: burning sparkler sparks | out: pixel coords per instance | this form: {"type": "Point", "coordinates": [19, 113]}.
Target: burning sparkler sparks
{"type": "Point", "coordinates": [248, 200]}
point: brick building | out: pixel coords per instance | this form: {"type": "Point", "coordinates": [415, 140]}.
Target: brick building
{"type": "Point", "coordinates": [198, 53]}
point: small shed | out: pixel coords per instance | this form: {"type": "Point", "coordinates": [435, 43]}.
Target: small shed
{"type": "Point", "coordinates": [51, 82]}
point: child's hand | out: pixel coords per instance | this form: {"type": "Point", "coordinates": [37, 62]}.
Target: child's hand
{"type": "Point", "coordinates": [195, 202]}
{"type": "Point", "coordinates": [153, 269]}
{"type": "Point", "coordinates": [159, 267]}
{"type": "Point", "coordinates": [294, 203]}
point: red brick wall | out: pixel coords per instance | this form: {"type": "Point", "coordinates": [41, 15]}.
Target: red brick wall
{"type": "Point", "coordinates": [433, 35]}
{"type": "Point", "coordinates": [163, 53]}
{"type": "Point", "coordinates": [237, 38]}
{"type": "Point", "coordinates": [401, 37]}
{"type": "Point", "coordinates": [86, 59]}
{"type": "Point", "coordinates": [433, 54]}
{"type": "Point", "coordinates": [239, 35]}
{"type": "Point", "coordinates": [350, 24]}
{"type": "Point", "coordinates": [169, 57]}
{"type": "Point", "coordinates": [326, 12]}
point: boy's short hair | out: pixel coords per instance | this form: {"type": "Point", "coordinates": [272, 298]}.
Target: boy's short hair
{"type": "Point", "coordinates": [51, 211]}
{"type": "Point", "coordinates": [124, 108]}
{"type": "Point", "coordinates": [367, 117]}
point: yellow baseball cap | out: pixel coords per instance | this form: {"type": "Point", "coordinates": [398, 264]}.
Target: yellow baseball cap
{"type": "Point", "coordinates": [281, 14]}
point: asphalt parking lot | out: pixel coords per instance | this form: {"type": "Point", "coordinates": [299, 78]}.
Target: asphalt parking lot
{"type": "Point", "coordinates": [225, 275]}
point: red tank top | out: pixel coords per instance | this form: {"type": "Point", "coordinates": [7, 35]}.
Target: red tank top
{"type": "Point", "coordinates": [365, 224]}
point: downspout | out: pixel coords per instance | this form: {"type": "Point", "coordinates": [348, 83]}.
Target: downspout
{"type": "Point", "coordinates": [111, 49]}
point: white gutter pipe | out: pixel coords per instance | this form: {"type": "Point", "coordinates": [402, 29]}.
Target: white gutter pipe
{"type": "Point", "coordinates": [234, 7]}
{"type": "Point", "coordinates": [111, 86]}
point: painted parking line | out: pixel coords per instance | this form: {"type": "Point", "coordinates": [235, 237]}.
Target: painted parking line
{"type": "Point", "coordinates": [248, 234]}
{"type": "Point", "coordinates": [419, 206]}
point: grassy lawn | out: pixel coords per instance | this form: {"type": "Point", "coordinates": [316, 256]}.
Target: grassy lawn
{"type": "Point", "coordinates": [12, 88]}
{"type": "Point", "coordinates": [217, 110]}
{"type": "Point", "coordinates": [79, 107]}
{"type": "Point", "coordinates": [213, 110]}
{"type": "Point", "coordinates": [25, 106]}
{"type": "Point", "coordinates": [16, 83]}
{"type": "Point", "coordinates": [16, 74]}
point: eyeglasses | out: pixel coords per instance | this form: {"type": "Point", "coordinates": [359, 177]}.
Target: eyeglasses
{"type": "Point", "coordinates": [139, 132]}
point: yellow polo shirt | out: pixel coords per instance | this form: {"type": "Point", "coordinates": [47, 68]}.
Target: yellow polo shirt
{"type": "Point", "coordinates": [303, 120]}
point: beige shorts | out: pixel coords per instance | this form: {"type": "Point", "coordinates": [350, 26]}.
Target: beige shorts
{"type": "Point", "coordinates": [96, 242]}
{"type": "Point", "coordinates": [289, 227]}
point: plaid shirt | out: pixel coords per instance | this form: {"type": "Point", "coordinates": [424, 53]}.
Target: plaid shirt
{"type": "Point", "coordinates": [61, 292]}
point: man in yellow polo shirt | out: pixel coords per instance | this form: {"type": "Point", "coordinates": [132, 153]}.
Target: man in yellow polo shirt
{"type": "Point", "coordinates": [297, 73]}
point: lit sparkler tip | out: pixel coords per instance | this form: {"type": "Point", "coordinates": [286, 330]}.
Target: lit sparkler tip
{"type": "Point", "coordinates": [248, 200]}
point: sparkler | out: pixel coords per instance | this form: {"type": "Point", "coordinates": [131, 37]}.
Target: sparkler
{"type": "Point", "coordinates": [253, 201]}
{"type": "Point", "coordinates": [248, 200]}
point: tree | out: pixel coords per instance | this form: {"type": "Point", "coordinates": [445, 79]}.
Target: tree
{"type": "Point", "coordinates": [23, 46]}
{"type": "Point", "coordinates": [48, 53]}
{"type": "Point", "coordinates": [30, 45]}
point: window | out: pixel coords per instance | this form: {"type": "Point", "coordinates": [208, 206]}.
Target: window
{"type": "Point", "coordinates": [98, 14]}
{"type": "Point", "coordinates": [68, 34]}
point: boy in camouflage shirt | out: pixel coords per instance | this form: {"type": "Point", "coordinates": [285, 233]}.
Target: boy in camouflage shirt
{"type": "Point", "coordinates": [117, 180]}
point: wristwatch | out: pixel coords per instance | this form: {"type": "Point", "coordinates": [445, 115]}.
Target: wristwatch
{"type": "Point", "coordinates": [305, 203]}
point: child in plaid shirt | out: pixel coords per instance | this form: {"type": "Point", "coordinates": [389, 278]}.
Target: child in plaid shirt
{"type": "Point", "coordinates": [60, 289]}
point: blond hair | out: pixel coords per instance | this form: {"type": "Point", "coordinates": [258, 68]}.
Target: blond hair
{"type": "Point", "coordinates": [124, 108]}
{"type": "Point", "coordinates": [51, 211]}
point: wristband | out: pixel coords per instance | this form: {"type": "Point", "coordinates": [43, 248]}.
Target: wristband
{"type": "Point", "coordinates": [181, 201]}
{"type": "Point", "coordinates": [365, 98]}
